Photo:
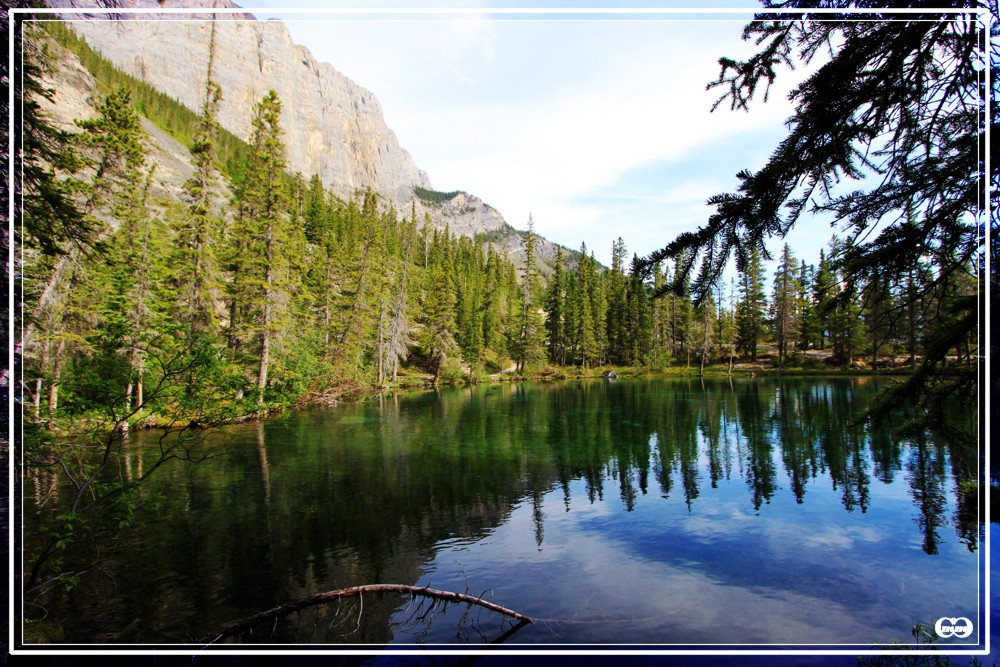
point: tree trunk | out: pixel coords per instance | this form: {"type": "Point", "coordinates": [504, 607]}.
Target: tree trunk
{"type": "Point", "coordinates": [875, 347]}
{"type": "Point", "coordinates": [233, 335]}
{"type": "Point", "coordinates": [381, 347]}
{"type": "Point", "coordinates": [65, 262]}
{"type": "Point", "coordinates": [265, 343]}
{"type": "Point", "coordinates": [128, 406]}
{"type": "Point", "coordinates": [56, 375]}
{"type": "Point", "coordinates": [327, 319]}
{"type": "Point", "coordinates": [265, 355]}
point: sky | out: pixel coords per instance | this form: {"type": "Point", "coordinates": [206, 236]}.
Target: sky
{"type": "Point", "coordinates": [595, 126]}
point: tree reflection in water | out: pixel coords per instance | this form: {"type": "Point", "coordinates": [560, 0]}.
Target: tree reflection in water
{"type": "Point", "coordinates": [372, 492]}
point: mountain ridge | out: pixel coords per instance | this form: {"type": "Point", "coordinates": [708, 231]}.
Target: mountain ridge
{"type": "Point", "coordinates": [334, 127]}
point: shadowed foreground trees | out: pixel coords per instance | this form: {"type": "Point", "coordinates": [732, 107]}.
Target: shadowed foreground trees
{"type": "Point", "coordinates": [897, 109]}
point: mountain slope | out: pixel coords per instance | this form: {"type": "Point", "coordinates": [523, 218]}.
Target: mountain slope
{"type": "Point", "coordinates": [333, 127]}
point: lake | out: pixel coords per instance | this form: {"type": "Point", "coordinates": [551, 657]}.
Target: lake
{"type": "Point", "coordinates": [640, 512]}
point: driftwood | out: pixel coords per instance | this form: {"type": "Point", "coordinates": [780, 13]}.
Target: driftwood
{"type": "Point", "coordinates": [357, 591]}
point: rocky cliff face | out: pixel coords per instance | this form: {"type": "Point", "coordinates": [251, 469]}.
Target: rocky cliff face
{"type": "Point", "coordinates": [333, 127]}
{"type": "Point", "coordinates": [151, 4]}
{"type": "Point", "coordinates": [74, 96]}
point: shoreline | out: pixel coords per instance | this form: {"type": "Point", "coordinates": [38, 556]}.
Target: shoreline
{"type": "Point", "coordinates": [352, 393]}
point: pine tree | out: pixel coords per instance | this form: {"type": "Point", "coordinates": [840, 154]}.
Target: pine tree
{"type": "Point", "coordinates": [751, 308]}
{"type": "Point", "coordinates": [555, 316]}
{"type": "Point", "coordinates": [638, 332]}
{"type": "Point", "coordinates": [112, 147]}
{"type": "Point", "coordinates": [398, 337]}
{"type": "Point", "coordinates": [785, 304]}
{"type": "Point", "coordinates": [529, 346]}
{"type": "Point", "coordinates": [899, 108]}
{"type": "Point", "coordinates": [617, 305]}
{"type": "Point", "coordinates": [846, 325]}
{"type": "Point", "coordinates": [823, 294]}
{"type": "Point", "coordinates": [196, 274]}
{"type": "Point", "coordinates": [439, 317]}
{"type": "Point", "coordinates": [587, 329]}
{"type": "Point", "coordinates": [263, 242]}
{"type": "Point", "coordinates": [703, 326]}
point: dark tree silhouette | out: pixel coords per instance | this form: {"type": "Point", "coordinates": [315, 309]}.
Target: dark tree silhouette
{"type": "Point", "coordinates": [898, 109]}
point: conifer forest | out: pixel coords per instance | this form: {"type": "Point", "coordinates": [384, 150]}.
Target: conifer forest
{"type": "Point", "coordinates": [261, 292]}
{"type": "Point", "coordinates": [287, 292]}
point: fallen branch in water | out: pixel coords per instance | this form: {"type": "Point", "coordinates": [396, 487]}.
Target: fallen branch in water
{"type": "Point", "coordinates": [357, 591]}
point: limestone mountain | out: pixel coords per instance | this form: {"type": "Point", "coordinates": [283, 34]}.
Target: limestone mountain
{"type": "Point", "coordinates": [334, 128]}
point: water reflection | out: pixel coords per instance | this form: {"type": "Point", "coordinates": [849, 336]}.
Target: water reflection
{"type": "Point", "coordinates": [375, 492]}
{"type": "Point", "coordinates": [777, 436]}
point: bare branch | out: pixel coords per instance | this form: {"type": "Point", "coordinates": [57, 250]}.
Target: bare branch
{"type": "Point", "coordinates": [357, 591]}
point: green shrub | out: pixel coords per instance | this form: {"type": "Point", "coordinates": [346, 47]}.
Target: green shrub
{"type": "Point", "coordinates": [452, 372]}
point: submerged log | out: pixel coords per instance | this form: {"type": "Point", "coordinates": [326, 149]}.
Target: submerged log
{"type": "Point", "coordinates": [356, 591]}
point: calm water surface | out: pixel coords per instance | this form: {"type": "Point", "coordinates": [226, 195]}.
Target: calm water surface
{"type": "Point", "coordinates": [666, 512]}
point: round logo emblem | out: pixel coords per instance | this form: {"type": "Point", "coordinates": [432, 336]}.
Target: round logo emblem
{"type": "Point", "coordinates": [953, 627]}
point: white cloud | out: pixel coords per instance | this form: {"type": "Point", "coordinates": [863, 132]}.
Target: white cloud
{"type": "Point", "coordinates": [544, 116]}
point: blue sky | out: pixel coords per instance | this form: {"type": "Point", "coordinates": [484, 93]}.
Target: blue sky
{"type": "Point", "coordinates": [598, 127]}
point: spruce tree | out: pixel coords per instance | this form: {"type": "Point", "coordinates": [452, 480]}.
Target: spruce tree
{"type": "Point", "coordinates": [195, 272]}
{"type": "Point", "coordinates": [572, 321]}
{"type": "Point", "coordinates": [587, 329]}
{"type": "Point", "coordinates": [898, 107]}
{"type": "Point", "coordinates": [880, 314]}
{"type": "Point", "coordinates": [599, 308]}
{"type": "Point", "coordinates": [823, 294]}
{"type": "Point", "coordinates": [751, 309]}
{"type": "Point", "coordinates": [132, 288]}
{"type": "Point", "coordinates": [493, 303]}
{"type": "Point", "coordinates": [660, 326]}
{"type": "Point", "coordinates": [53, 223]}
{"type": "Point", "coordinates": [785, 304]}
{"type": "Point", "coordinates": [439, 317]}
{"type": "Point", "coordinates": [703, 325]}
{"type": "Point", "coordinates": [111, 145]}
{"type": "Point", "coordinates": [846, 324]}
{"type": "Point", "coordinates": [315, 214]}
{"type": "Point", "coordinates": [555, 316]}
{"type": "Point", "coordinates": [263, 242]}
{"type": "Point", "coordinates": [529, 346]}
{"type": "Point", "coordinates": [360, 297]}
{"type": "Point", "coordinates": [617, 305]}
{"type": "Point", "coordinates": [397, 347]}
{"type": "Point", "coordinates": [638, 332]}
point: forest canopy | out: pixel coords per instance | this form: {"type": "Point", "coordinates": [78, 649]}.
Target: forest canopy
{"type": "Point", "coordinates": [898, 110]}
